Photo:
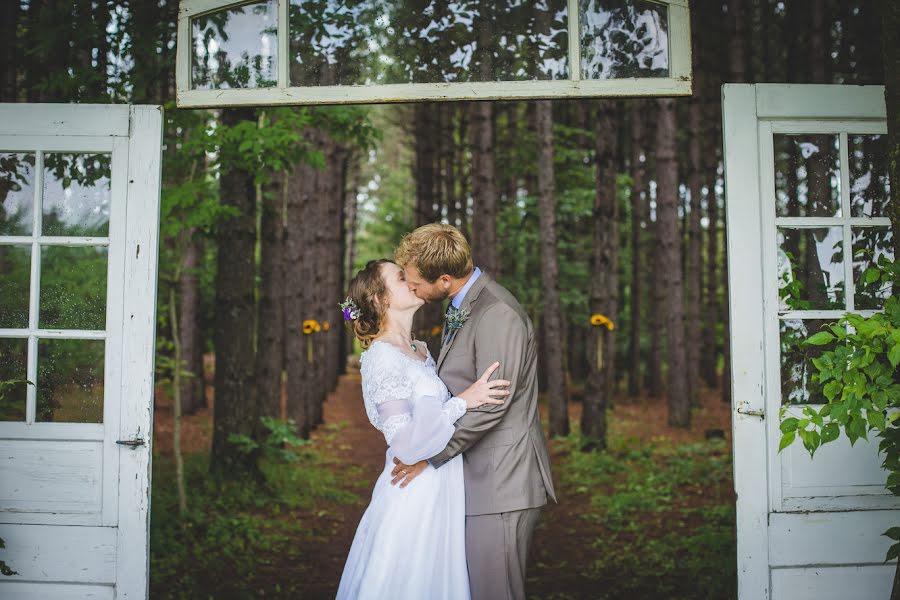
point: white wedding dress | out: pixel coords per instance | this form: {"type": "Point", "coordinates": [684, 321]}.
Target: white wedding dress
{"type": "Point", "coordinates": [410, 543]}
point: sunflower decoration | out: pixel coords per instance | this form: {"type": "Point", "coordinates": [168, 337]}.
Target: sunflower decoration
{"type": "Point", "coordinates": [310, 326]}
{"type": "Point", "coordinates": [326, 326]}
{"type": "Point", "coordinates": [598, 320]}
{"type": "Point", "coordinates": [436, 331]}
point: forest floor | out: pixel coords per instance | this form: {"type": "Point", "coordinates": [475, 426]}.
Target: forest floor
{"type": "Point", "coordinates": [650, 517]}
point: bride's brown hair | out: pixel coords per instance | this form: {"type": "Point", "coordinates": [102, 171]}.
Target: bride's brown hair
{"type": "Point", "coordinates": [368, 292]}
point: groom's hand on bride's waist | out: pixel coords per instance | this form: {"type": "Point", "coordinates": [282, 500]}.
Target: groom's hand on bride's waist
{"type": "Point", "coordinates": [406, 473]}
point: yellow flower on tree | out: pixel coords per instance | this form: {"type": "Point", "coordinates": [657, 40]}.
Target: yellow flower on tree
{"type": "Point", "coordinates": [435, 331]}
{"type": "Point", "coordinates": [326, 325]}
{"type": "Point", "coordinates": [598, 320]}
{"type": "Point", "coordinates": [310, 326]}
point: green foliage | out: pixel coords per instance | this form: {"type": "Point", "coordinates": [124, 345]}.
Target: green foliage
{"type": "Point", "coordinates": [280, 433]}
{"type": "Point", "coordinates": [238, 537]}
{"type": "Point", "coordinates": [5, 569]}
{"type": "Point", "coordinates": [858, 374]}
{"type": "Point", "coordinates": [666, 530]}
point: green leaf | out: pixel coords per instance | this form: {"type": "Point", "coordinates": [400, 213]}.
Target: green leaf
{"type": "Point", "coordinates": [786, 440]}
{"type": "Point", "coordinates": [820, 339]}
{"type": "Point", "coordinates": [830, 432]}
{"type": "Point", "coordinates": [789, 425]}
{"type": "Point", "coordinates": [894, 355]}
{"type": "Point", "coordinates": [876, 419]}
{"type": "Point", "coordinates": [893, 533]}
{"type": "Point", "coordinates": [893, 552]}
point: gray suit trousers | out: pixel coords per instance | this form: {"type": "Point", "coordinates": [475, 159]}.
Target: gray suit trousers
{"type": "Point", "coordinates": [497, 552]}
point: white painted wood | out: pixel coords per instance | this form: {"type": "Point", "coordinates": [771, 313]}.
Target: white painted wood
{"type": "Point", "coordinates": [748, 376]}
{"type": "Point", "coordinates": [60, 553]}
{"type": "Point", "coordinates": [74, 119]}
{"type": "Point", "coordinates": [866, 582]}
{"type": "Point", "coordinates": [56, 591]}
{"type": "Point", "coordinates": [70, 506]}
{"type": "Point", "coordinates": [138, 350]}
{"type": "Point", "coordinates": [821, 517]}
{"type": "Point", "coordinates": [814, 101]}
{"type": "Point", "coordinates": [808, 539]}
{"type": "Point", "coordinates": [678, 83]}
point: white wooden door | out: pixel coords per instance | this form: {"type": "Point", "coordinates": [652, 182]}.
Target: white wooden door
{"type": "Point", "coordinates": [79, 221]}
{"type": "Point", "coordinates": [807, 190]}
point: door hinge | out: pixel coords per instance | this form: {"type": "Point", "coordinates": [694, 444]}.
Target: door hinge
{"type": "Point", "coordinates": [133, 443]}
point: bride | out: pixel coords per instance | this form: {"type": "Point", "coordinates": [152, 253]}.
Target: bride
{"type": "Point", "coordinates": [410, 542]}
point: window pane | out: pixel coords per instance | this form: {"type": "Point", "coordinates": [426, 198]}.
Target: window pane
{"type": "Point", "coordinates": [13, 361]}
{"type": "Point", "coordinates": [15, 279]}
{"type": "Point", "coordinates": [70, 381]}
{"type": "Point", "coordinates": [807, 175]}
{"type": "Point", "coordinates": [797, 386]}
{"type": "Point", "coordinates": [76, 194]}
{"type": "Point", "coordinates": [869, 244]}
{"type": "Point", "coordinates": [810, 268]}
{"type": "Point", "coordinates": [869, 186]}
{"type": "Point", "coordinates": [365, 42]}
{"type": "Point", "coordinates": [623, 38]}
{"type": "Point", "coordinates": [73, 287]}
{"type": "Point", "coordinates": [16, 193]}
{"type": "Point", "coordinates": [236, 48]}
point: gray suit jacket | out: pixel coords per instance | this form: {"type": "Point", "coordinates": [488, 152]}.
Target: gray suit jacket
{"type": "Point", "coordinates": [505, 458]}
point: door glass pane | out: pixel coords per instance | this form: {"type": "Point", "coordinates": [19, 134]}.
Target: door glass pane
{"type": "Point", "coordinates": [76, 194]}
{"type": "Point", "coordinates": [13, 361]}
{"type": "Point", "coordinates": [870, 243]}
{"type": "Point", "coordinates": [869, 186]}
{"type": "Point", "coordinates": [70, 381]}
{"type": "Point", "coordinates": [623, 38]}
{"type": "Point", "coordinates": [797, 385]}
{"type": "Point", "coordinates": [810, 268]}
{"type": "Point", "coordinates": [15, 278]}
{"type": "Point", "coordinates": [807, 175]}
{"type": "Point", "coordinates": [365, 42]}
{"type": "Point", "coordinates": [236, 48]}
{"type": "Point", "coordinates": [73, 287]}
{"type": "Point", "coordinates": [16, 193]}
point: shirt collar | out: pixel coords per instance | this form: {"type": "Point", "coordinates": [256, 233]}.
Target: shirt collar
{"type": "Point", "coordinates": [458, 298]}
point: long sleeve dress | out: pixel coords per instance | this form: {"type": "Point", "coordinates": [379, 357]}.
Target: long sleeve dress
{"type": "Point", "coordinates": [410, 543]}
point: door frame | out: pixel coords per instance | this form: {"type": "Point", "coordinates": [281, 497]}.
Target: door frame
{"type": "Point", "coordinates": [744, 106]}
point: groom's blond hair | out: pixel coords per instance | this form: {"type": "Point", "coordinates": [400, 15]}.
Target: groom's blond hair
{"type": "Point", "coordinates": [436, 249]}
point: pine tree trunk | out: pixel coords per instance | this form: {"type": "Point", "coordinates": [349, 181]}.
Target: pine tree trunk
{"type": "Point", "coordinates": [551, 315]}
{"type": "Point", "coordinates": [670, 280]}
{"type": "Point", "coordinates": [694, 269]}
{"type": "Point", "coordinates": [9, 23]}
{"type": "Point", "coordinates": [638, 172]}
{"type": "Point", "coordinates": [270, 353]}
{"type": "Point", "coordinates": [235, 404]}
{"type": "Point", "coordinates": [191, 339]}
{"type": "Point", "coordinates": [484, 188]}
{"type": "Point", "coordinates": [604, 279]}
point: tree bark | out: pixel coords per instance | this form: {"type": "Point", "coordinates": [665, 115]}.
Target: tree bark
{"type": "Point", "coordinates": [235, 404]}
{"type": "Point", "coordinates": [9, 23]}
{"type": "Point", "coordinates": [638, 172]}
{"type": "Point", "coordinates": [552, 316]}
{"type": "Point", "coordinates": [270, 353]}
{"type": "Point", "coordinates": [604, 279]}
{"type": "Point", "coordinates": [484, 188]}
{"type": "Point", "coordinates": [670, 280]}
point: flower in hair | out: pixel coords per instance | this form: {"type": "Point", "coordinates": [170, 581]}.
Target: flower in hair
{"type": "Point", "coordinates": [350, 309]}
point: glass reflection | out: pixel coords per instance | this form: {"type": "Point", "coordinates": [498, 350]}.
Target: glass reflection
{"type": "Point", "coordinates": [73, 287]}
{"type": "Point", "coordinates": [15, 283]}
{"type": "Point", "coordinates": [236, 48]}
{"type": "Point", "coordinates": [869, 185]}
{"type": "Point", "coordinates": [16, 193]}
{"type": "Point", "coordinates": [365, 42]}
{"type": "Point", "coordinates": [76, 194]}
{"type": "Point", "coordinates": [13, 371]}
{"type": "Point", "coordinates": [807, 175]}
{"type": "Point", "coordinates": [623, 38]}
{"type": "Point", "coordinates": [70, 381]}
{"type": "Point", "coordinates": [810, 268]}
{"type": "Point", "coordinates": [869, 245]}
{"type": "Point", "coordinates": [797, 384]}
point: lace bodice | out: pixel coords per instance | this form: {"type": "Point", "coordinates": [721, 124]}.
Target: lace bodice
{"type": "Point", "coordinates": [407, 401]}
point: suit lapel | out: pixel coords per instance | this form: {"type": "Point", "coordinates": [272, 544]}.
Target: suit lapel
{"type": "Point", "coordinates": [468, 302]}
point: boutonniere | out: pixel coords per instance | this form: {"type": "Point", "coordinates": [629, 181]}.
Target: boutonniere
{"type": "Point", "coordinates": [457, 317]}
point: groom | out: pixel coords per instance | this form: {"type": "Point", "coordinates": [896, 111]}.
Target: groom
{"type": "Point", "coordinates": [505, 458]}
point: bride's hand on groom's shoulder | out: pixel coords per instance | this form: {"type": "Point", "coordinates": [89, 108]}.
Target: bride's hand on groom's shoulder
{"type": "Point", "coordinates": [484, 391]}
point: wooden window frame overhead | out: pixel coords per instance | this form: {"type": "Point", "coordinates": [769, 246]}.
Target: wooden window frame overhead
{"type": "Point", "coordinates": [679, 83]}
